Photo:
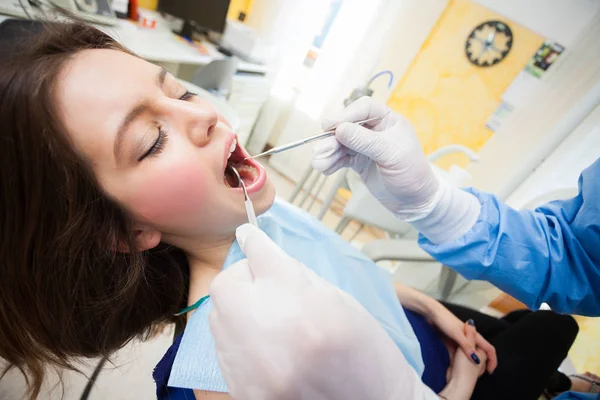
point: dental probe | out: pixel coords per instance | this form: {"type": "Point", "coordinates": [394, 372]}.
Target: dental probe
{"type": "Point", "coordinates": [310, 139]}
{"type": "Point", "coordinates": [247, 201]}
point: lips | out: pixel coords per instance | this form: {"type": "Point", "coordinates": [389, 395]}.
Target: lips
{"type": "Point", "coordinates": [251, 172]}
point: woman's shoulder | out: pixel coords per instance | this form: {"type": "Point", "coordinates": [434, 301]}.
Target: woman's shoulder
{"type": "Point", "coordinates": [194, 364]}
{"type": "Point", "coordinates": [162, 371]}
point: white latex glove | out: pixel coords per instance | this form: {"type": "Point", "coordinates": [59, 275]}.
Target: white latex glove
{"type": "Point", "coordinates": [282, 332]}
{"type": "Point", "coordinates": [389, 158]}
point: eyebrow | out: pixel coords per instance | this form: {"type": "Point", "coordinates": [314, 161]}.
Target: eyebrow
{"type": "Point", "coordinates": [135, 113]}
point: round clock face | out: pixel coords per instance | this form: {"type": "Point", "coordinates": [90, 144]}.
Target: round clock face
{"type": "Point", "coordinates": [489, 43]}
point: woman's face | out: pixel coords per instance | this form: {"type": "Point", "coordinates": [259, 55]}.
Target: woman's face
{"type": "Point", "coordinates": [156, 149]}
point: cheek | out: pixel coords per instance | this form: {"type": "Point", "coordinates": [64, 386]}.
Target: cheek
{"type": "Point", "coordinates": [173, 195]}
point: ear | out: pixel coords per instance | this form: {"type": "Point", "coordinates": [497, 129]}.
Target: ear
{"type": "Point", "coordinates": [145, 238]}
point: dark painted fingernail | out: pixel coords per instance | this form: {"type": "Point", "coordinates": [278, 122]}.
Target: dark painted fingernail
{"type": "Point", "coordinates": [475, 358]}
{"type": "Point", "coordinates": [471, 322]}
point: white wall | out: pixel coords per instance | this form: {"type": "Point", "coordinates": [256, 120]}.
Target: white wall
{"type": "Point", "coordinates": [557, 20]}
{"type": "Point", "coordinates": [562, 168]}
{"type": "Point", "coordinates": [569, 93]}
{"type": "Point", "coordinates": [411, 27]}
{"type": "Point", "coordinates": [393, 38]}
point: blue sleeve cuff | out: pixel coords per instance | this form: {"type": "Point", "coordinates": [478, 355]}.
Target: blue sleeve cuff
{"type": "Point", "coordinates": [468, 254]}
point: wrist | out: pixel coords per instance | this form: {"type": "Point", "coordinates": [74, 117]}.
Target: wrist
{"type": "Point", "coordinates": [454, 215]}
{"type": "Point", "coordinates": [431, 307]}
{"type": "Point", "coordinates": [416, 301]}
{"type": "Point", "coordinates": [457, 389]}
{"type": "Point", "coordinates": [434, 308]}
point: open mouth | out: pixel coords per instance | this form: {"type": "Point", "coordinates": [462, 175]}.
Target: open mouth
{"type": "Point", "coordinates": [248, 169]}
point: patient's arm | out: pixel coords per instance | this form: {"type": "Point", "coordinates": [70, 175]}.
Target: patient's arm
{"type": "Point", "coordinates": [445, 321]}
{"type": "Point", "coordinates": [463, 374]}
{"type": "Point", "coordinates": [462, 377]}
{"type": "Point", "coordinates": [204, 395]}
{"type": "Point", "coordinates": [416, 301]}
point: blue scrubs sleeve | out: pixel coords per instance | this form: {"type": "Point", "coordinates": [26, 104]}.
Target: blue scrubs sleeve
{"type": "Point", "coordinates": [548, 255]}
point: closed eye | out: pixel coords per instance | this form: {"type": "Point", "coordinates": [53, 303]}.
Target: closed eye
{"type": "Point", "coordinates": [187, 95]}
{"type": "Point", "coordinates": [157, 147]}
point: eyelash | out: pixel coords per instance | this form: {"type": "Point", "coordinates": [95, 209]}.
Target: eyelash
{"type": "Point", "coordinates": [187, 95]}
{"type": "Point", "coordinates": [161, 140]}
{"type": "Point", "coordinates": [158, 145]}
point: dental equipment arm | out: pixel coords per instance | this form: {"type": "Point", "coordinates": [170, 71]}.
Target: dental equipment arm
{"type": "Point", "coordinates": [282, 332]}
{"type": "Point", "coordinates": [388, 156]}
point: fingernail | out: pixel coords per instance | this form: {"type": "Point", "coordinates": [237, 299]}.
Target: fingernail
{"type": "Point", "coordinates": [475, 358]}
{"type": "Point", "coordinates": [471, 322]}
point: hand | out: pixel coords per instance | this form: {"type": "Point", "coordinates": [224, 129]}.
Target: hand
{"type": "Point", "coordinates": [390, 160]}
{"type": "Point", "coordinates": [282, 332]}
{"type": "Point", "coordinates": [387, 155]}
{"type": "Point", "coordinates": [462, 364]}
{"type": "Point", "coordinates": [453, 328]}
{"type": "Point", "coordinates": [463, 373]}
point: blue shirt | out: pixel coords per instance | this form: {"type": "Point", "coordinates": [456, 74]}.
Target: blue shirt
{"type": "Point", "coordinates": [549, 255]}
{"type": "Point", "coordinates": [307, 240]}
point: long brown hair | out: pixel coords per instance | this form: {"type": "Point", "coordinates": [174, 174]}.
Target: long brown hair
{"type": "Point", "coordinates": [65, 292]}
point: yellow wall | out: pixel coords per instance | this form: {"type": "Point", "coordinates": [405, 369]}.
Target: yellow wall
{"type": "Point", "coordinates": [237, 6]}
{"type": "Point", "coordinates": [447, 98]}
{"type": "Point", "coordinates": [149, 4]}
{"type": "Point", "coordinates": [585, 350]}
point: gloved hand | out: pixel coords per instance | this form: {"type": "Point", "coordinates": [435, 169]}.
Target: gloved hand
{"type": "Point", "coordinates": [282, 332]}
{"type": "Point", "coordinates": [388, 156]}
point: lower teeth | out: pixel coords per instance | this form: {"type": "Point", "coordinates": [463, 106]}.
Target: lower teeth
{"type": "Point", "coordinates": [247, 172]}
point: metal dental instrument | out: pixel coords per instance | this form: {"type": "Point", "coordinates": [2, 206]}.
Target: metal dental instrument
{"type": "Point", "coordinates": [247, 201]}
{"type": "Point", "coordinates": [307, 140]}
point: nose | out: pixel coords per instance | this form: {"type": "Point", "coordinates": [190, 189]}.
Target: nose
{"type": "Point", "coordinates": [197, 120]}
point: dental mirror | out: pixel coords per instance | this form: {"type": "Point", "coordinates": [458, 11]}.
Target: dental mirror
{"type": "Point", "coordinates": [247, 201]}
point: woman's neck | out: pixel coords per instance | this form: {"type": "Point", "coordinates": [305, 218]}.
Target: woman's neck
{"type": "Point", "coordinates": [205, 262]}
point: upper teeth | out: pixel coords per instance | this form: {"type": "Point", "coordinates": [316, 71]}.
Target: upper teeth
{"type": "Point", "coordinates": [232, 147]}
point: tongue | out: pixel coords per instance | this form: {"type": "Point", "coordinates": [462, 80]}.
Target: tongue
{"type": "Point", "coordinates": [247, 173]}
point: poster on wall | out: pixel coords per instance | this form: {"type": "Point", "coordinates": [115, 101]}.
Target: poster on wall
{"type": "Point", "coordinates": [547, 54]}
{"type": "Point", "coordinates": [500, 114]}
{"type": "Point", "coordinates": [525, 83]}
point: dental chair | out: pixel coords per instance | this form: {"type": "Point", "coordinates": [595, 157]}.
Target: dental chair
{"type": "Point", "coordinates": [409, 250]}
{"type": "Point", "coordinates": [367, 210]}
{"type": "Point", "coordinates": [216, 77]}
{"type": "Point", "coordinates": [363, 206]}
{"type": "Point", "coordinates": [406, 248]}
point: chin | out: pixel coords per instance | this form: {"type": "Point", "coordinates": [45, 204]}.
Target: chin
{"type": "Point", "coordinates": [263, 200]}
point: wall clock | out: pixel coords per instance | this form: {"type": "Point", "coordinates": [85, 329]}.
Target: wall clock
{"type": "Point", "coordinates": [489, 43]}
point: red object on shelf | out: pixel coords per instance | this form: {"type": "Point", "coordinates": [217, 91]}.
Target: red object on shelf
{"type": "Point", "coordinates": [147, 23]}
{"type": "Point", "coordinates": [133, 10]}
